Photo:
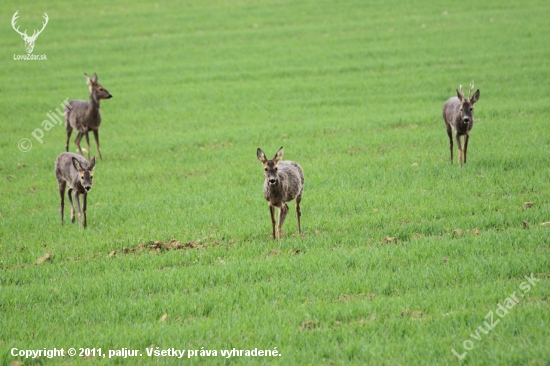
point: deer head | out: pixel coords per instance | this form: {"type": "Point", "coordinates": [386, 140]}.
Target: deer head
{"type": "Point", "coordinates": [467, 104]}
{"type": "Point", "coordinates": [29, 41]}
{"type": "Point", "coordinates": [85, 174]}
{"type": "Point", "coordinates": [270, 166]}
{"type": "Point", "coordinates": [97, 91]}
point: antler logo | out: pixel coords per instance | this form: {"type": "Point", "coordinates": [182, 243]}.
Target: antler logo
{"type": "Point", "coordinates": [29, 41]}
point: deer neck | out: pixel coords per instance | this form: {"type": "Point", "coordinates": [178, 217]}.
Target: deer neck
{"type": "Point", "coordinates": [276, 189]}
{"type": "Point", "coordinates": [93, 106]}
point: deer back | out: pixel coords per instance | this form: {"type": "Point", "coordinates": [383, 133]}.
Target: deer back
{"type": "Point", "coordinates": [84, 115]}
{"type": "Point", "coordinates": [65, 170]}
{"type": "Point", "coordinates": [78, 116]}
{"type": "Point", "coordinates": [290, 183]}
{"type": "Point", "coordinates": [451, 111]}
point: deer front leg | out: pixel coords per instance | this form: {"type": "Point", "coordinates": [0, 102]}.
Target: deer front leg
{"type": "Point", "coordinates": [298, 212]}
{"type": "Point", "coordinates": [77, 142]}
{"type": "Point", "coordinates": [85, 199]}
{"type": "Point", "coordinates": [459, 148]}
{"type": "Point", "coordinates": [88, 143]}
{"type": "Point", "coordinates": [70, 194]}
{"type": "Point", "coordinates": [77, 197]}
{"type": "Point", "coordinates": [272, 211]}
{"type": "Point", "coordinates": [466, 138]}
{"type": "Point", "coordinates": [96, 137]}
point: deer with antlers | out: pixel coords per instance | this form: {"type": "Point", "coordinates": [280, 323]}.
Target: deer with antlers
{"type": "Point", "coordinates": [29, 41]}
{"type": "Point", "coordinates": [458, 113]}
{"type": "Point", "coordinates": [284, 182]}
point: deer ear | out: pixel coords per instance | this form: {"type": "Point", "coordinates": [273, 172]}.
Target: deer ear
{"type": "Point", "coordinates": [278, 156]}
{"type": "Point", "coordinates": [475, 97]}
{"type": "Point", "coordinates": [261, 156]}
{"type": "Point", "coordinates": [77, 165]}
{"type": "Point", "coordinates": [95, 78]}
{"type": "Point", "coordinates": [92, 163]}
{"type": "Point", "coordinates": [88, 80]}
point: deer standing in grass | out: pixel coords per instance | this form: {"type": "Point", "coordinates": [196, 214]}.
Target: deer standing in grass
{"type": "Point", "coordinates": [84, 116]}
{"type": "Point", "coordinates": [284, 181]}
{"type": "Point", "coordinates": [74, 170]}
{"type": "Point", "coordinates": [458, 113]}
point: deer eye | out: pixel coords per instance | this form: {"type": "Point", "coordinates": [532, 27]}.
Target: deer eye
{"type": "Point", "coordinates": [471, 109]}
{"type": "Point", "coordinates": [265, 169]}
{"type": "Point", "coordinates": [461, 109]}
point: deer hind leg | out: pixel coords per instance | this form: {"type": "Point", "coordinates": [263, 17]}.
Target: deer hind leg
{"type": "Point", "coordinates": [282, 216]}
{"type": "Point", "coordinates": [77, 142]}
{"type": "Point", "coordinates": [69, 132]}
{"type": "Point", "coordinates": [450, 133]}
{"type": "Point", "coordinates": [96, 137]}
{"type": "Point", "coordinates": [298, 212]}
{"type": "Point", "coordinates": [88, 143]}
{"type": "Point", "coordinates": [62, 185]}
{"type": "Point", "coordinates": [70, 194]}
{"type": "Point", "coordinates": [272, 211]}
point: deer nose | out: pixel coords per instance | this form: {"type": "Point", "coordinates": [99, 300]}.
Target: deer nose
{"type": "Point", "coordinates": [110, 96]}
{"type": "Point", "coordinates": [87, 188]}
{"type": "Point", "coordinates": [272, 181]}
{"type": "Point", "coordinates": [466, 120]}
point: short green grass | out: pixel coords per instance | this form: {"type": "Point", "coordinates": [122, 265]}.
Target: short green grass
{"type": "Point", "coordinates": [403, 254]}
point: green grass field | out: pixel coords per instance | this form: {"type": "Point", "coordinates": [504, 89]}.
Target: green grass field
{"type": "Point", "coordinates": [403, 257]}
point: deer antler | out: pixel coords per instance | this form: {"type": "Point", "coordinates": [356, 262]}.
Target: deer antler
{"type": "Point", "coordinates": [460, 90]}
{"type": "Point", "coordinates": [13, 20]}
{"type": "Point", "coordinates": [35, 35]}
{"type": "Point", "coordinates": [471, 88]}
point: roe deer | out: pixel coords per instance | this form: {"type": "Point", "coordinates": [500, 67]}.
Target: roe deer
{"type": "Point", "coordinates": [84, 116]}
{"type": "Point", "coordinates": [458, 113]}
{"type": "Point", "coordinates": [78, 173]}
{"type": "Point", "coordinates": [284, 181]}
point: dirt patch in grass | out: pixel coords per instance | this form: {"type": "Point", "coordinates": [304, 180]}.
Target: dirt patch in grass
{"type": "Point", "coordinates": [359, 296]}
{"type": "Point", "coordinates": [45, 258]}
{"type": "Point", "coordinates": [390, 239]}
{"type": "Point", "coordinates": [308, 325]}
{"type": "Point", "coordinates": [160, 246]}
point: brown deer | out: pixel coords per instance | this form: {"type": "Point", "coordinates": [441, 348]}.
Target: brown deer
{"type": "Point", "coordinates": [458, 113]}
{"type": "Point", "coordinates": [284, 181]}
{"type": "Point", "coordinates": [74, 170]}
{"type": "Point", "coordinates": [84, 116]}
